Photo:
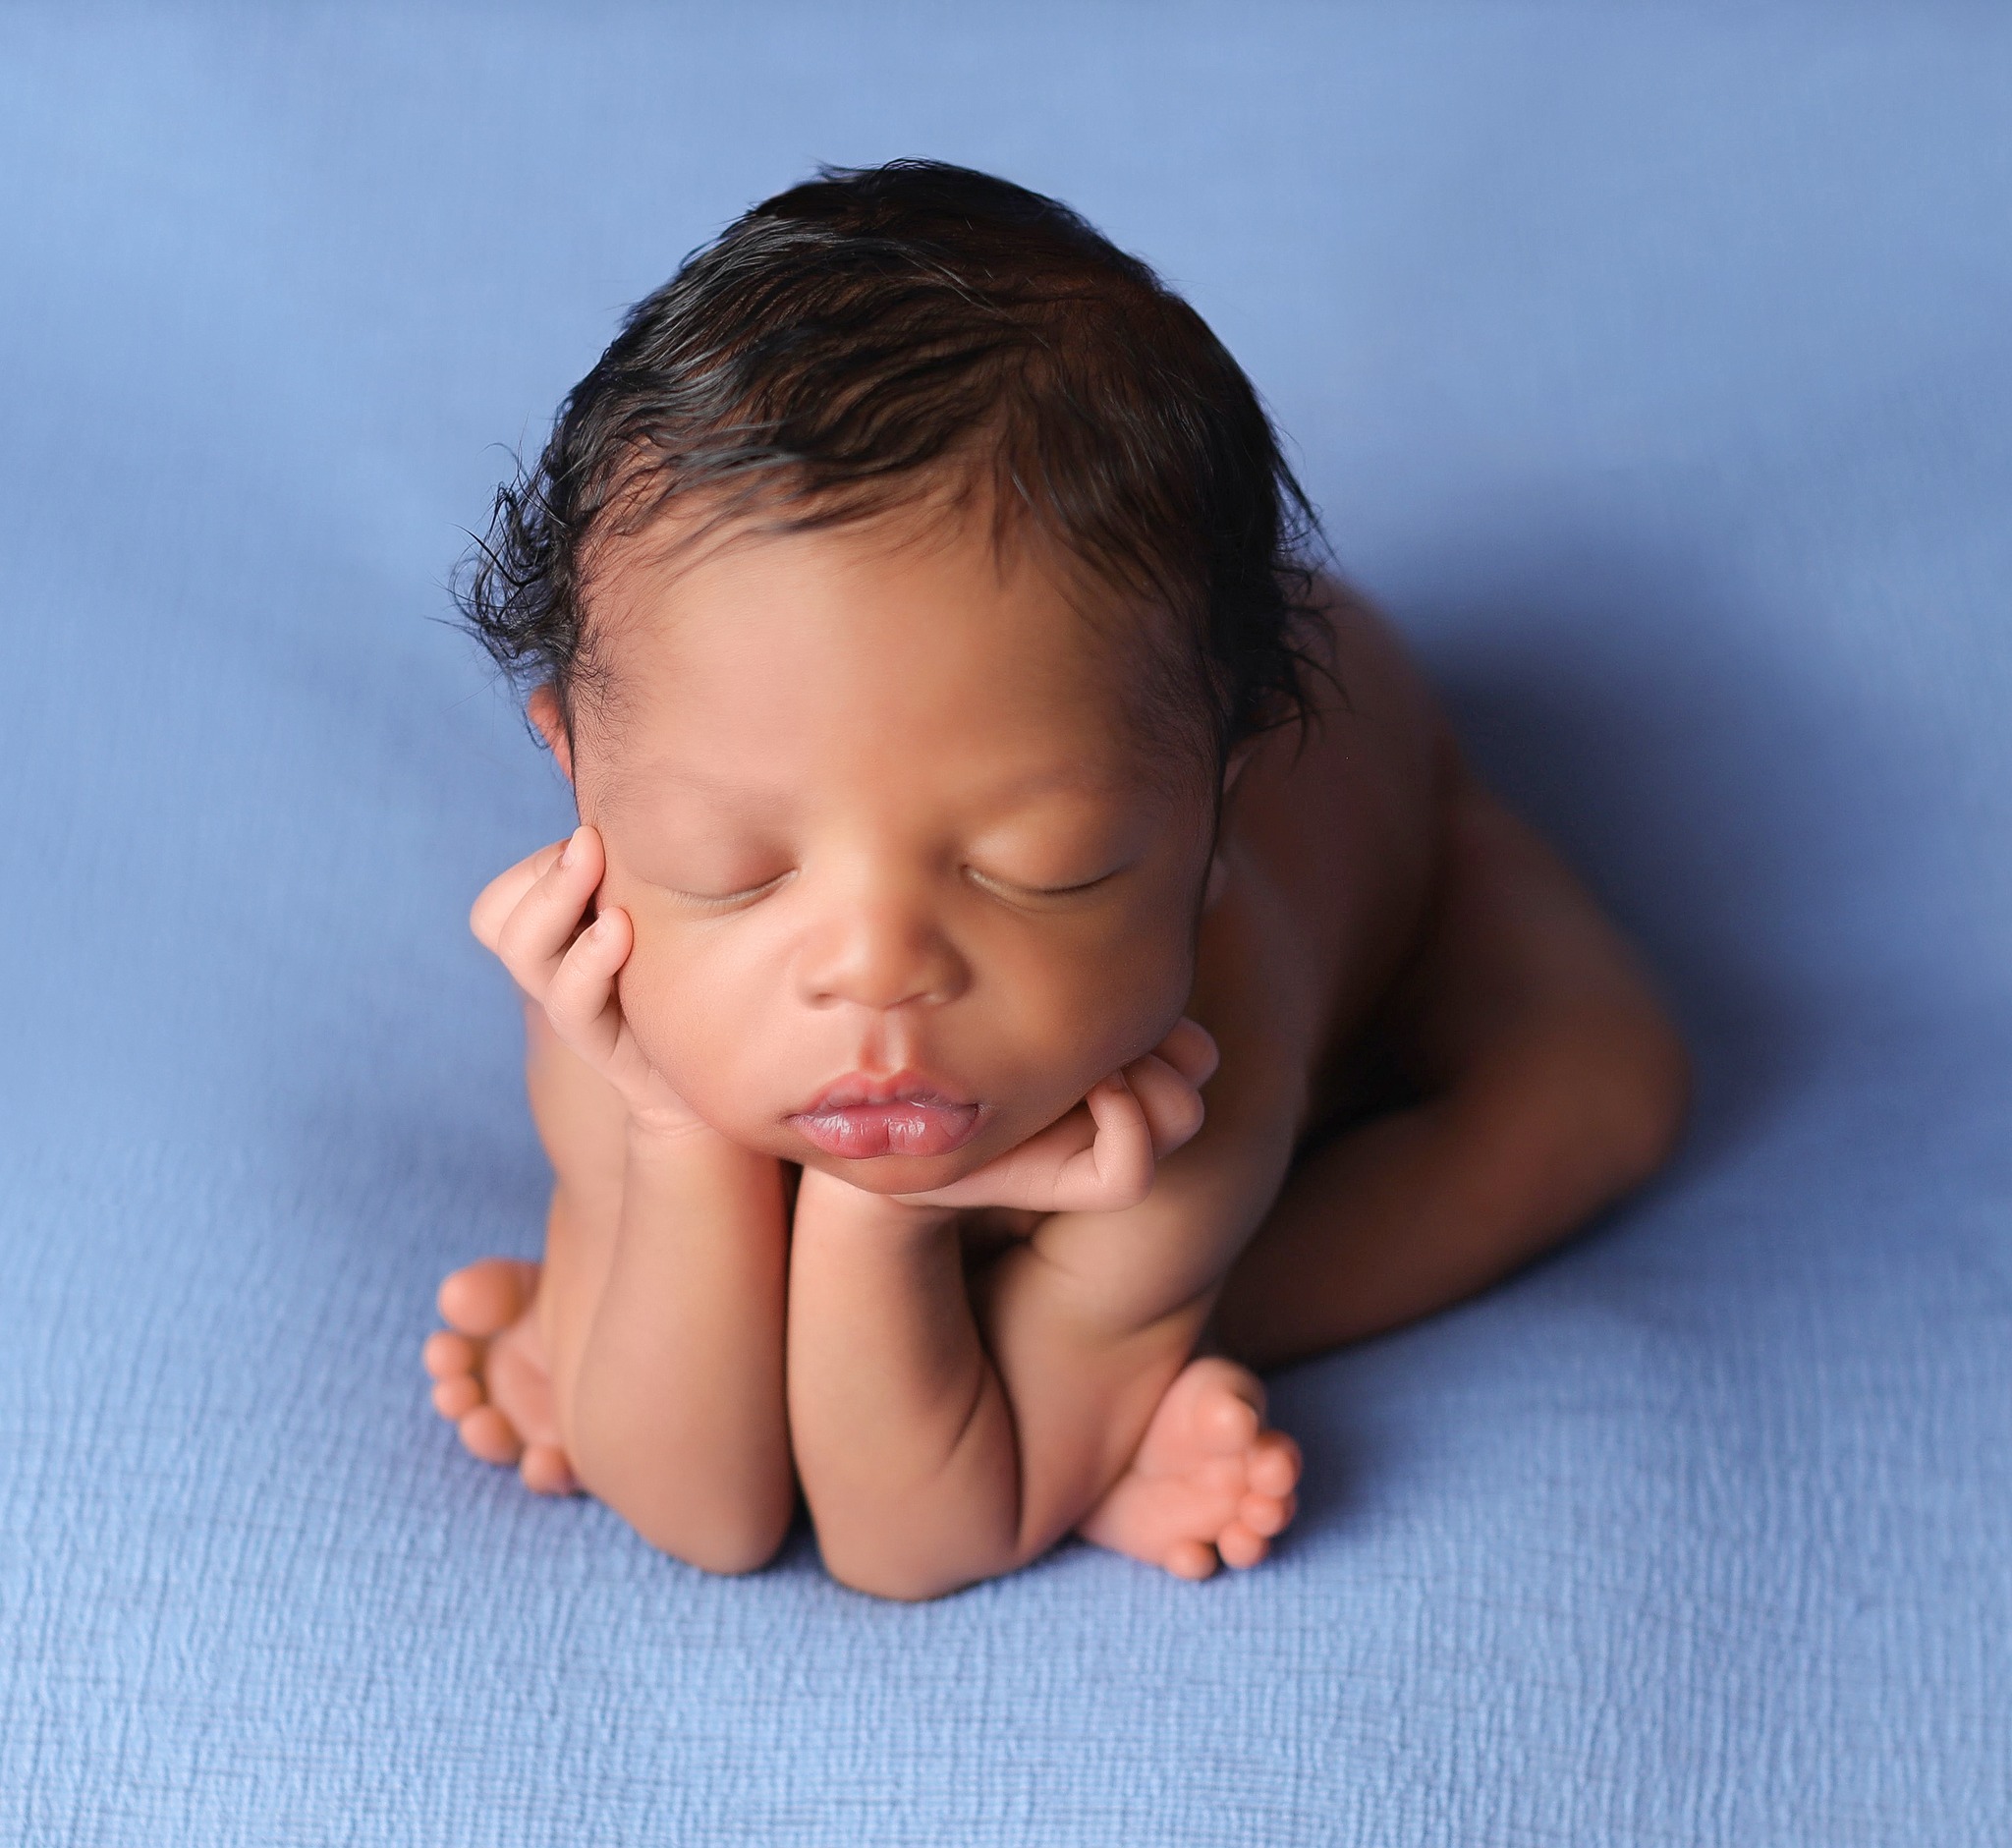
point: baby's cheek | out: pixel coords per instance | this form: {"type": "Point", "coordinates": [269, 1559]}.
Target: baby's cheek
{"type": "Point", "coordinates": [664, 1010]}
{"type": "Point", "coordinates": [698, 1032]}
{"type": "Point", "coordinates": [1099, 1013]}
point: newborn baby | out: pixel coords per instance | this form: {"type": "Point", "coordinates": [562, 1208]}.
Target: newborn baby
{"type": "Point", "coordinates": [974, 777]}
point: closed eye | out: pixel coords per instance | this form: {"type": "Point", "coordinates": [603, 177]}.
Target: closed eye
{"type": "Point", "coordinates": [727, 901]}
{"type": "Point", "coordinates": [1010, 889]}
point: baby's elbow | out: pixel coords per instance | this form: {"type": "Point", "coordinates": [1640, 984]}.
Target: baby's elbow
{"type": "Point", "coordinates": [730, 1550]}
{"type": "Point", "coordinates": [906, 1574]}
{"type": "Point", "coordinates": [896, 1588]}
{"type": "Point", "coordinates": [898, 1582]}
{"type": "Point", "coordinates": [732, 1556]}
{"type": "Point", "coordinates": [730, 1534]}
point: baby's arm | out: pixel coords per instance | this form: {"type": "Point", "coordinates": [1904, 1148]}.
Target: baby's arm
{"type": "Point", "coordinates": [670, 1384]}
{"type": "Point", "coordinates": [946, 1435]}
{"type": "Point", "coordinates": [676, 1419]}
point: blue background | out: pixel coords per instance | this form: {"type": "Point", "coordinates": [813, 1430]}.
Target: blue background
{"type": "Point", "coordinates": [1651, 365]}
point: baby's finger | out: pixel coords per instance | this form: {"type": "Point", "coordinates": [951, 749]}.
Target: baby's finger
{"type": "Point", "coordinates": [1173, 1107]}
{"type": "Point", "coordinates": [580, 999]}
{"type": "Point", "coordinates": [1029, 1177]}
{"type": "Point", "coordinates": [1121, 1157]}
{"type": "Point", "coordinates": [498, 899]}
{"type": "Point", "coordinates": [545, 919]}
{"type": "Point", "coordinates": [1190, 1048]}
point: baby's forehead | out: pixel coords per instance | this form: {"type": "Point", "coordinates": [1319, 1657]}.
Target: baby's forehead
{"type": "Point", "coordinates": [921, 618]}
{"type": "Point", "coordinates": [637, 767]}
{"type": "Point", "coordinates": [656, 780]}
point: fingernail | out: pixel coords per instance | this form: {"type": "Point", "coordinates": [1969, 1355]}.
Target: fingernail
{"type": "Point", "coordinates": [571, 852]}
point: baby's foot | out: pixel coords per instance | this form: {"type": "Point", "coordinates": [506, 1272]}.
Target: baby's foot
{"type": "Point", "coordinates": [1209, 1482]}
{"type": "Point", "coordinates": [491, 1375]}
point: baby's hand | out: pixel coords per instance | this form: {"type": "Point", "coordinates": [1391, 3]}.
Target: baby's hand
{"type": "Point", "coordinates": [534, 917]}
{"type": "Point", "coordinates": [1103, 1160]}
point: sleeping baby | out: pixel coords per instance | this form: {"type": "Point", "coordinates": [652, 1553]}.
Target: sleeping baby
{"type": "Point", "coordinates": [1032, 955]}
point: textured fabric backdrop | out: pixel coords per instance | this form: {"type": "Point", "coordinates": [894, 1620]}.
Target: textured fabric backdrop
{"type": "Point", "coordinates": [1651, 366]}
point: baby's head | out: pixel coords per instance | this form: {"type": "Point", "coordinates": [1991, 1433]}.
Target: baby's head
{"type": "Point", "coordinates": [898, 592]}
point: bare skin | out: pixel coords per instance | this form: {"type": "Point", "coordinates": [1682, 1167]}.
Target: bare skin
{"type": "Point", "coordinates": [1436, 1060]}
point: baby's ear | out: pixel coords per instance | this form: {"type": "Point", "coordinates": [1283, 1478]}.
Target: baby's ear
{"type": "Point", "coordinates": [543, 709]}
{"type": "Point", "coordinates": [1218, 868]}
{"type": "Point", "coordinates": [1234, 768]}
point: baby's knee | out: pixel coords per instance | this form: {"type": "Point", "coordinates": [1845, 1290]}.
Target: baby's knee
{"type": "Point", "coordinates": [1596, 1099]}
{"type": "Point", "coordinates": [1655, 1067]}
{"type": "Point", "coordinates": [1623, 1078]}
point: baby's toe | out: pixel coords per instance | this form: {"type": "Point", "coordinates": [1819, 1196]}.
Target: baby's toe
{"type": "Point", "coordinates": [1190, 1559]}
{"type": "Point", "coordinates": [448, 1352]}
{"type": "Point", "coordinates": [1219, 1481]}
{"type": "Point", "coordinates": [1274, 1467]}
{"type": "Point", "coordinates": [1266, 1515]}
{"type": "Point", "coordinates": [491, 1435]}
{"type": "Point", "coordinates": [454, 1398]}
{"type": "Point", "coordinates": [1230, 1422]}
{"type": "Point", "coordinates": [1240, 1548]}
{"type": "Point", "coordinates": [545, 1471]}
{"type": "Point", "coordinates": [486, 1298]}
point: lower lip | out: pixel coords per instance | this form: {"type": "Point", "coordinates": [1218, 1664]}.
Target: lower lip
{"type": "Point", "coordinates": [903, 1127]}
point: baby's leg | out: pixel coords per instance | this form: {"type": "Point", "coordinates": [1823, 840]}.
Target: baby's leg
{"type": "Point", "coordinates": [1209, 1482]}
{"type": "Point", "coordinates": [503, 1369]}
{"type": "Point", "coordinates": [492, 1364]}
{"type": "Point", "coordinates": [491, 1378]}
{"type": "Point", "coordinates": [1552, 1082]}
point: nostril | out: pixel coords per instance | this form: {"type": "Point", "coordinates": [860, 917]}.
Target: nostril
{"type": "Point", "coordinates": [886, 977]}
{"type": "Point", "coordinates": [878, 949]}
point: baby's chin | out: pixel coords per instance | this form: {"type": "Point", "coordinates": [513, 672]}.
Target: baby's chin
{"type": "Point", "coordinates": [892, 1174]}
{"type": "Point", "coordinates": [897, 1173]}
{"type": "Point", "coordinates": [894, 1171]}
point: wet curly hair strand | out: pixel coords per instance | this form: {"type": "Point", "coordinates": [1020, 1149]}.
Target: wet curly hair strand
{"type": "Point", "coordinates": [867, 337]}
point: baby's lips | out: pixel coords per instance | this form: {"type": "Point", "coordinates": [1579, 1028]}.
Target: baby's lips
{"type": "Point", "coordinates": [903, 1127]}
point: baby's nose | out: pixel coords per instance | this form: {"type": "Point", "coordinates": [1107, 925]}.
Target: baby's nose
{"type": "Point", "coordinates": [881, 954]}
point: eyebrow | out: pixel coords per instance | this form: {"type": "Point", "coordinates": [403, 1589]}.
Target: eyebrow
{"type": "Point", "coordinates": [624, 786]}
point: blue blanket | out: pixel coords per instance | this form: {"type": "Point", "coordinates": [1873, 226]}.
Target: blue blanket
{"type": "Point", "coordinates": [1652, 368]}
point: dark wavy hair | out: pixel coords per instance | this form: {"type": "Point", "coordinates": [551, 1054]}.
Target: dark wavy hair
{"type": "Point", "coordinates": [876, 336]}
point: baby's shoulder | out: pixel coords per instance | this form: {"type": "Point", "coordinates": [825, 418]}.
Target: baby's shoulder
{"type": "Point", "coordinates": [1369, 706]}
{"type": "Point", "coordinates": [1335, 835]}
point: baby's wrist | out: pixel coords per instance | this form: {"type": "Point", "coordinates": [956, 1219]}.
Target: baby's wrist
{"type": "Point", "coordinates": [688, 1155]}
{"type": "Point", "coordinates": [845, 1208]}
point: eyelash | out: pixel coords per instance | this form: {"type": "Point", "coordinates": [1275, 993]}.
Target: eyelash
{"type": "Point", "coordinates": [728, 901]}
{"type": "Point", "coordinates": [1040, 891]}
{"type": "Point", "coordinates": [725, 901]}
